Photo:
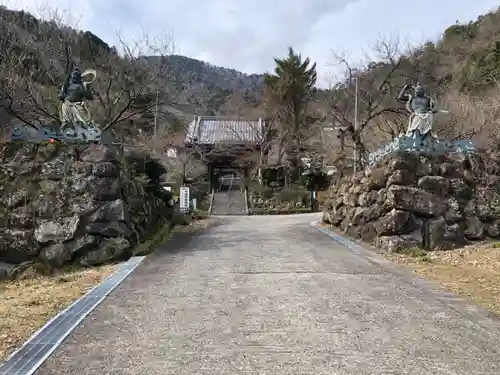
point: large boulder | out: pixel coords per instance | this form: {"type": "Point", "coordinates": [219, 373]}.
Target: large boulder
{"type": "Point", "coordinates": [18, 246]}
{"type": "Point", "coordinates": [395, 222]}
{"type": "Point", "coordinates": [377, 178]}
{"type": "Point", "coordinates": [415, 200]}
{"type": "Point", "coordinates": [396, 244]}
{"type": "Point", "coordinates": [437, 185]}
{"type": "Point", "coordinates": [493, 229]}
{"type": "Point", "coordinates": [400, 177]}
{"type": "Point", "coordinates": [115, 210]}
{"type": "Point", "coordinates": [433, 233]}
{"type": "Point", "coordinates": [487, 203]}
{"type": "Point", "coordinates": [56, 230]}
{"type": "Point", "coordinates": [109, 249]}
{"type": "Point", "coordinates": [474, 229]}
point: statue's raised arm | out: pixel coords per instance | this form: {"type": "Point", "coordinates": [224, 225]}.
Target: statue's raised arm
{"type": "Point", "coordinates": [64, 88]}
{"type": "Point", "coordinates": [403, 95]}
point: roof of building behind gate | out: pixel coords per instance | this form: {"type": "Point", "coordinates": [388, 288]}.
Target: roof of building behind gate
{"type": "Point", "coordinates": [209, 130]}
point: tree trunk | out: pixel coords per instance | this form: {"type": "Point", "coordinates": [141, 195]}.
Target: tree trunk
{"type": "Point", "coordinates": [342, 140]}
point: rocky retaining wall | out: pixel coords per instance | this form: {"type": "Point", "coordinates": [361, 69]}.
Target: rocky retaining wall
{"type": "Point", "coordinates": [66, 204]}
{"type": "Point", "coordinates": [411, 199]}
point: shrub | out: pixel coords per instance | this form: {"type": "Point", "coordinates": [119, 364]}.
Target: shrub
{"type": "Point", "coordinates": [142, 164]}
{"type": "Point", "coordinates": [467, 31]}
{"type": "Point", "coordinates": [292, 194]}
{"type": "Point", "coordinates": [265, 191]}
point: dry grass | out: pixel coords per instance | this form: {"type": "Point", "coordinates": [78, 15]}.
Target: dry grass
{"type": "Point", "coordinates": [27, 304]}
{"type": "Point", "coordinates": [472, 272]}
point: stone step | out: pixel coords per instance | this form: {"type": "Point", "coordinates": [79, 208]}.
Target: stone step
{"type": "Point", "coordinates": [229, 203]}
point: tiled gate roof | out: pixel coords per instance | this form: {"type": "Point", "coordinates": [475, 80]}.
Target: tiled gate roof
{"type": "Point", "coordinates": [210, 130]}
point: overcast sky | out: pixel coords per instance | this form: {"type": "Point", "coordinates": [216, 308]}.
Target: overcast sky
{"type": "Point", "coordinates": [247, 34]}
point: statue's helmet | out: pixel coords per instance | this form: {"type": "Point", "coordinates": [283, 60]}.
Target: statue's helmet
{"type": "Point", "coordinates": [419, 90]}
{"type": "Point", "coordinates": [76, 75]}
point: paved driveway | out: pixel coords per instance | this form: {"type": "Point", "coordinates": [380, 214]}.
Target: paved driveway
{"type": "Point", "coordinates": [271, 295]}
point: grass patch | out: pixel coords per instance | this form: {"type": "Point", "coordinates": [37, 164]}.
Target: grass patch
{"type": "Point", "coordinates": [472, 272]}
{"type": "Point", "coordinates": [417, 253]}
{"type": "Point", "coordinates": [28, 303]}
{"type": "Point", "coordinates": [180, 220]}
{"type": "Point", "coordinates": [281, 212]}
{"type": "Point", "coordinates": [158, 239]}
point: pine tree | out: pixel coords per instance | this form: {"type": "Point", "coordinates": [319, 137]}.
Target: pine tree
{"type": "Point", "coordinates": [289, 91]}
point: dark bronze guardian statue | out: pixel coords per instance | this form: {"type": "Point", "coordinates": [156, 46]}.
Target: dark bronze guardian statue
{"type": "Point", "coordinates": [422, 109]}
{"type": "Point", "coordinates": [75, 116]}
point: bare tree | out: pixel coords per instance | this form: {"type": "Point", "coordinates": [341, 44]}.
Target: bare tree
{"type": "Point", "coordinates": [471, 117]}
{"type": "Point", "coordinates": [378, 83]}
{"type": "Point", "coordinates": [14, 59]}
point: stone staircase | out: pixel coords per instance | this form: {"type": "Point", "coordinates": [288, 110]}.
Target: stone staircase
{"type": "Point", "coordinates": [229, 203]}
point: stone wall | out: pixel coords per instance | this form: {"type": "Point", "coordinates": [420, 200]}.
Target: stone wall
{"type": "Point", "coordinates": [66, 204]}
{"type": "Point", "coordinates": [411, 199]}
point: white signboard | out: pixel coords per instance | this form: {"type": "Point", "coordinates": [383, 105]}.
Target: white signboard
{"type": "Point", "coordinates": [184, 198]}
{"type": "Point", "coordinates": [194, 204]}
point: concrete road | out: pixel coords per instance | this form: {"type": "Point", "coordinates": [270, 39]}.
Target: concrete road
{"type": "Point", "coordinates": [271, 295]}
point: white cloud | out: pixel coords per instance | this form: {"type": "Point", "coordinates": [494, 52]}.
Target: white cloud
{"type": "Point", "coordinates": [246, 35]}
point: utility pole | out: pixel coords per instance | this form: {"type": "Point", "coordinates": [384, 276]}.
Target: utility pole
{"type": "Point", "coordinates": [356, 123]}
{"type": "Point", "coordinates": [156, 120]}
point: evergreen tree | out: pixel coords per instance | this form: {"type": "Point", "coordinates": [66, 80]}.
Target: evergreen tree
{"type": "Point", "coordinates": [289, 91]}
